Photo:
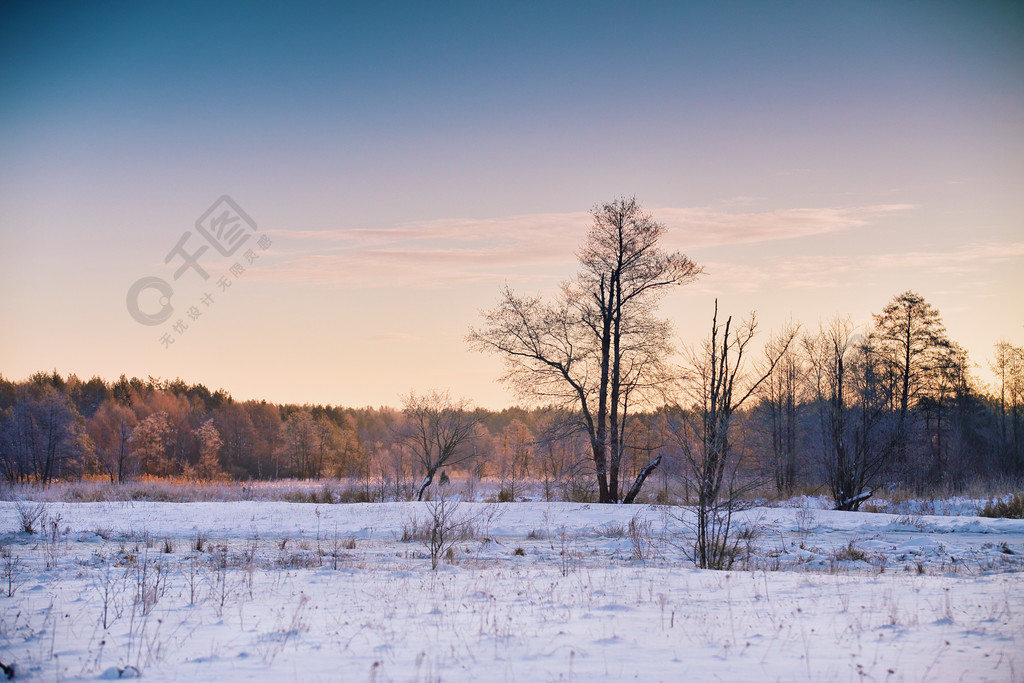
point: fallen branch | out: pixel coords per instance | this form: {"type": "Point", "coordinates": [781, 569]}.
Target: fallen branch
{"type": "Point", "coordinates": [851, 504]}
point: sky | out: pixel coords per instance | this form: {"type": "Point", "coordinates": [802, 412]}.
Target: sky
{"type": "Point", "coordinates": [398, 163]}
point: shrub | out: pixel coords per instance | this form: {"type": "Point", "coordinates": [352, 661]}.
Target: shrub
{"type": "Point", "coordinates": [1009, 508]}
{"type": "Point", "coordinates": [31, 514]}
{"type": "Point", "coordinates": [445, 527]}
{"type": "Point", "coordinates": [578, 492]}
{"type": "Point", "coordinates": [414, 530]}
{"type": "Point", "coordinates": [850, 553]}
{"type": "Point", "coordinates": [612, 530]}
{"type": "Point", "coordinates": [663, 497]}
{"type": "Point", "coordinates": [640, 537]}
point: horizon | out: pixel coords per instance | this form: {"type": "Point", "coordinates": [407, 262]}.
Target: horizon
{"type": "Point", "coordinates": [399, 167]}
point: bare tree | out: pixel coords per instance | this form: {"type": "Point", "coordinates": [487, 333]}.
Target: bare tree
{"type": "Point", "coordinates": [240, 442]}
{"type": "Point", "coordinates": [852, 403]}
{"type": "Point", "coordinates": [445, 527]}
{"type": "Point", "coordinates": [780, 399]}
{"type": "Point", "coordinates": [718, 386]}
{"type": "Point", "coordinates": [1008, 367]}
{"type": "Point", "coordinates": [515, 454]}
{"type": "Point", "coordinates": [341, 454]}
{"type": "Point", "coordinates": [561, 452]}
{"type": "Point", "coordinates": [110, 429]}
{"type": "Point", "coordinates": [266, 423]}
{"type": "Point", "coordinates": [436, 427]}
{"type": "Point", "coordinates": [597, 345]}
{"type": "Point", "coordinates": [300, 443]}
{"type": "Point", "coordinates": [944, 408]}
{"type": "Point", "coordinates": [44, 433]}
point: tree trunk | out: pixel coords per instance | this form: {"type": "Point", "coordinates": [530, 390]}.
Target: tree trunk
{"type": "Point", "coordinates": [427, 480]}
{"type": "Point", "coordinates": [601, 467]}
{"type": "Point", "coordinates": [634, 490]}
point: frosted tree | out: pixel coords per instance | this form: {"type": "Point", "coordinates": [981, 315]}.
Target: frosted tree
{"type": "Point", "coordinates": [150, 441]}
{"type": "Point", "coordinates": [209, 441]}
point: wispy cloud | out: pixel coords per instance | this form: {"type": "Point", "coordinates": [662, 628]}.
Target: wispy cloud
{"type": "Point", "coordinates": [967, 259]}
{"type": "Point", "coordinates": [536, 246]}
{"type": "Point", "coordinates": [830, 271]}
{"type": "Point", "coordinates": [395, 337]}
{"type": "Point", "coordinates": [704, 227]}
{"type": "Point", "coordinates": [430, 253]}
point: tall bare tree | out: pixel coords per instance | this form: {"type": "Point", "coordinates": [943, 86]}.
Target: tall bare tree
{"type": "Point", "coordinates": [597, 346]}
{"type": "Point", "coordinates": [852, 401]}
{"type": "Point", "coordinates": [718, 386]}
{"type": "Point", "coordinates": [300, 443]}
{"type": "Point", "coordinates": [266, 423]}
{"type": "Point", "coordinates": [514, 456]}
{"type": "Point", "coordinates": [780, 399]}
{"type": "Point", "coordinates": [1008, 367]}
{"type": "Point", "coordinates": [44, 434]}
{"type": "Point", "coordinates": [110, 429]}
{"type": "Point", "coordinates": [436, 427]}
{"type": "Point", "coordinates": [235, 426]}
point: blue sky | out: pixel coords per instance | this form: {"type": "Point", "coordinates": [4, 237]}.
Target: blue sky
{"type": "Point", "coordinates": [407, 160]}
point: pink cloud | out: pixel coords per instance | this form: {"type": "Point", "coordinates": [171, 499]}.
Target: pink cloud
{"type": "Point", "coordinates": [535, 246]}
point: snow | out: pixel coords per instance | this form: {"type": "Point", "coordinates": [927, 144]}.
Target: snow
{"type": "Point", "coordinates": [539, 591]}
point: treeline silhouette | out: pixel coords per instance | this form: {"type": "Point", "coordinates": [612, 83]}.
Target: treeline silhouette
{"type": "Point", "coordinates": [841, 412]}
{"type": "Point", "coordinates": [65, 428]}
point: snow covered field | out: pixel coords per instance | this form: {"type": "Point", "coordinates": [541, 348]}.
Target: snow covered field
{"type": "Point", "coordinates": [536, 592]}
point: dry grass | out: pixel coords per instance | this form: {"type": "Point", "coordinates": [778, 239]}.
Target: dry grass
{"type": "Point", "coordinates": [1010, 507]}
{"type": "Point", "coordinates": [850, 553]}
{"type": "Point", "coordinates": [1004, 494]}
